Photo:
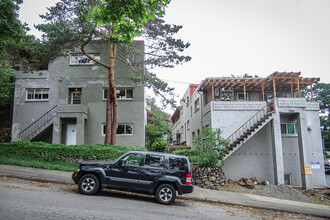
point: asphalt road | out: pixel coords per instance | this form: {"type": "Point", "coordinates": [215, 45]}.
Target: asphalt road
{"type": "Point", "coordinates": [21, 199]}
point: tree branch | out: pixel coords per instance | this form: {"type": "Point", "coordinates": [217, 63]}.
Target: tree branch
{"type": "Point", "coordinates": [83, 44]}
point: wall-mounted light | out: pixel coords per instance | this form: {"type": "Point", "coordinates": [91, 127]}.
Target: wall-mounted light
{"type": "Point", "coordinates": [60, 78]}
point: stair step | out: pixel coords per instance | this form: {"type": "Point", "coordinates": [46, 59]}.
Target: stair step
{"type": "Point", "coordinates": [246, 135]}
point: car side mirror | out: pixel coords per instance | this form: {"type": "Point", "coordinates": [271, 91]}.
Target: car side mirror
{"type": "Point", "coordinates": [120, 162]}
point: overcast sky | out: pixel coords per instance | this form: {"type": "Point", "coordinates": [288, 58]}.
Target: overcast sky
{"type": "Point", "coordinates": [234, 37]}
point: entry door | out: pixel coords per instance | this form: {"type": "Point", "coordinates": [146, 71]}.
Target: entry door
{"type": "Point", "coordinates": [75, 96]}
{"type": "Point", "coordinates": [71, 134]}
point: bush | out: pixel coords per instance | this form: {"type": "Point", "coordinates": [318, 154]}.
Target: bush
{"type": "Point", "coordinates": [159, 145]}
{"type": "Point", "coordinates": [210, 148]}
{"type": "Point", "coordinates": [25, 152]}
{"type": "Point", "coordinates": [185, 152]}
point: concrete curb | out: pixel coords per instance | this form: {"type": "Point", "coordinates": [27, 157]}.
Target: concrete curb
{"type": "Point", "coordinates": [301, 212]}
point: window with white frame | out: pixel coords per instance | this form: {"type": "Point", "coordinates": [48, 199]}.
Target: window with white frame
{"type": "Point", "coordinates": [123, 129]}
{"type": "Point", "coordinates": [122, 93]}
{"type": "Point", "coordinates": [37, 94]}
{"type": "Point", "coordinates": [197, 105]}
{"type": "Point", "coordinates": [289, 129]}
{"type": "Point", "coordinates": [82, 59]}
{"type": "Point", "coordinates": [131, 58]}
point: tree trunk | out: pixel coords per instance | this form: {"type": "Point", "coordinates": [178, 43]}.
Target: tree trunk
{"type": "Point", "coordinates": [112, 110]}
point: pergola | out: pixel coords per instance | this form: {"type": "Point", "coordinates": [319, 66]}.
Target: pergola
{"type": "Point", "coordinates": [277, 81]}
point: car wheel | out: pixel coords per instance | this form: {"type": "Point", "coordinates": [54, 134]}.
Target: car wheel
{"type": "Point", "coordinates": [165, 194]}
{"type": "Point", "coordinates": [89, 184]}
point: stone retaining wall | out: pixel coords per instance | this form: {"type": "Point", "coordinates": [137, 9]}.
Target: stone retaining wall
{"type": "Point", "coordinates": [211, 178]}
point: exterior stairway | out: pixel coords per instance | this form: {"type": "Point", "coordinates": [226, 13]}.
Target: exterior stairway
{"type": "Point", "coordinates": [38, 125]}
{"type": "Point", "coordinates": [248, 130]}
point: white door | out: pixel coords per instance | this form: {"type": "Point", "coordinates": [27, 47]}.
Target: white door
{"type": "Point", "coordinates": [71, 134]}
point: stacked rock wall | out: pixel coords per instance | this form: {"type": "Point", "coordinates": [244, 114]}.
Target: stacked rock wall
{"type": "Point", "coordinates": [211, 178]}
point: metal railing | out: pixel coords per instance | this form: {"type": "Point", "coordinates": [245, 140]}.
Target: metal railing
{"type": "Point", "coordinates": [248, 125]}
{"type": "Point", "coordinates": [29, 132]}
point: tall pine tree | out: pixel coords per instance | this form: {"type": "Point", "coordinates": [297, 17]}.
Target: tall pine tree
{"type": "Point", "coordinates": [77, 23]}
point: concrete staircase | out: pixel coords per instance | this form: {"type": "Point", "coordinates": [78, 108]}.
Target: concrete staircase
{"type": "Point", "coordinates": [248, 130]}
{"type": "Point", "coordinates": [38, 125]}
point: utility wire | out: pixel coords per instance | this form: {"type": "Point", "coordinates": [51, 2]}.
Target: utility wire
{"type": "Point", "coordinates": [167, 80]}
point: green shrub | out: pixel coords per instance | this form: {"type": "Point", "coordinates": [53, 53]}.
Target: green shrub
{"type": "Point", "coordinates": [210, 148]}
{"type": "Point", "coordinates": [56, 155]}
{"type": "Point", "coordinates": [185, 152]}
{"type": "Point", "coordinates": [158, 145]}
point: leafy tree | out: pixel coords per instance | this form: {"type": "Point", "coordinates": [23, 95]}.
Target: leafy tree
{"type": "Point", "coordinates": [10, 32]}
{"type": "Point", "coordinates": [157, 129]}
{"type": "Point", "coordinates": [321, 93]}
{"type": "Point", "coordinates": [10, 26]}
{"type": "Point", "coordinates": [78, 23]}
{"type": "Point", "coordinates": [210, 148]}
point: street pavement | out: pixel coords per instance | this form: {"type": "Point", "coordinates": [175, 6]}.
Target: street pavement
{"type": "Point", "coordinates": [199, 194]}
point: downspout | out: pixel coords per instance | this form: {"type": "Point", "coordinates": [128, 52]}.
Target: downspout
{"type": "Point", "coordinates": [202, 107]}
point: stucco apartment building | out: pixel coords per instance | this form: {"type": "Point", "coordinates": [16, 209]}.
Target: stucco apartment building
{"type": "Point", "coordinates": [67, 103]}
{"type": "Point", "coordinates": [274, 134]}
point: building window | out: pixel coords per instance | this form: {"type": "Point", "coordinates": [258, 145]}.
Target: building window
{"type": "Point", "coordinates": [105, 94]}
{"type": "Point", "coordinates": [125, 129]}
{"type": "Point", "coordinates": [37, 94]}
{"type": "Point", "coordinates": [288, 179]}
{"type": "Point", "coordinates": [82, 59]}
{"type": "Point", "coordinates": [289, 129]}
{"type": "Point", "coordinates": [193, 135]}
{"type": "Point", "coordinates": [122, 93]}
{"type": "Point", "coordinates": [197, 105]}
{"type": "Point", "coordinates": [131, 59]}
{"type": "Point", "coordinates": [188, 125]}
{"type": "Point", "coordinates": [240, 96]}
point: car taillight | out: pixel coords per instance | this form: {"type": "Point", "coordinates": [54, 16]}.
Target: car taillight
{"type": "Point", "coordinates": [188, 179]}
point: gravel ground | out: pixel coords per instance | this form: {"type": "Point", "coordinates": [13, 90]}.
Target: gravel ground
{"type": "Point", "coordinates": [321, 196]}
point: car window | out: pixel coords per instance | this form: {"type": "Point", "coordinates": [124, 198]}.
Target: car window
{"type": "Point", "coordinates": [177, 163]}
{"type": "Point", "coordinates": [132, 159]}
{"type": "Point", "coordinates": [154, 160]}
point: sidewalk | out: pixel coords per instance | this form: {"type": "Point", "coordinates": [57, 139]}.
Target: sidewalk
{"type": "Point", "coordinates": [199, 194]}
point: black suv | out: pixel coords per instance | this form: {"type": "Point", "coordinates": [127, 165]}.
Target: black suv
{"type": "Point", "coordinates": [140, 171]}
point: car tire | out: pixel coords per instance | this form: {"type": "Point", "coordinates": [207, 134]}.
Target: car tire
{"type": "Point", "coordinates": [89, 184]}
{"type": "Point", "coordinates": [165, 194]}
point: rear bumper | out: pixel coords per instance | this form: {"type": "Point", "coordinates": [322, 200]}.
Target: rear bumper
{"type": "Point", "coordinates": [185, 189]}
